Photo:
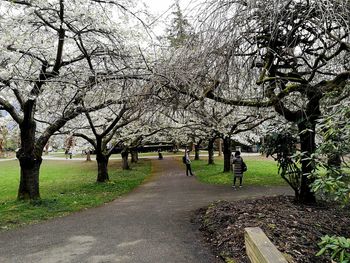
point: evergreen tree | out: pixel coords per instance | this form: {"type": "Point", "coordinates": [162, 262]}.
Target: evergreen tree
{"type": "Point", "coordinates": [180, 28]}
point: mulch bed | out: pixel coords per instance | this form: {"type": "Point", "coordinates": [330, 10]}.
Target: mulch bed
{"type": "Point", "coordinates": [294, 229]}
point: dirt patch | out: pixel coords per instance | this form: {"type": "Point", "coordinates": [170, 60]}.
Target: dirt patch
{"type": "Point", "coordinates": [294, 229]}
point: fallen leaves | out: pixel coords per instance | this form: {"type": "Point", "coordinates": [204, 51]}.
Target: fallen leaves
{"type": "Point", "coordinates": [294, 229]}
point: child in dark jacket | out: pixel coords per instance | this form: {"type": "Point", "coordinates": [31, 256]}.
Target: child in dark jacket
{"type": "Point", "coordinates": [237, 163]}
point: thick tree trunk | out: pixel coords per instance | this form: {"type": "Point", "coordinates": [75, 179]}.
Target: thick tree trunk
{"type": "Point", "coordinates": [211, 151]}
{"type": "Point", "coordinates": [227, 154]}
{"type": "Point", "coordinates": [134, 156]}
{"type": "Point", "coordinates": [29, 182]}
{"type": "Point", "coordinates": [30, 160]}
{"type": "Point", "coordinates": [220, 146]}
{"type": "Point", "coordinates": [196, 150]}
{"type": "Point", "coordinates": [308, 146]}
{"type": "Point", "coordinates": [88, 156]}
{"type": "Point", "coordinates": [125, 162]}
{"type": "Point", "coordinates": [102, 168]}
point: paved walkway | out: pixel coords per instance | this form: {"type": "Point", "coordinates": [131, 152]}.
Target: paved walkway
{"type": "Point", "coordinates": [149, 225]}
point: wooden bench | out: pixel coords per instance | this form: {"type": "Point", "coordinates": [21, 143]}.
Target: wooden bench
{"type": "Point", "coordinates": [259, 248]}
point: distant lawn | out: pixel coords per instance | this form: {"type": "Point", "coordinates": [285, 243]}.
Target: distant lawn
{"type": "Point", "coordinates": [65, 187]}
{"type": "Point", "coordinates": [261, 171]}
{"type": "Point", "coordinates": [93, 157]}
{"type": "Point", "coordinates": [60, 154]}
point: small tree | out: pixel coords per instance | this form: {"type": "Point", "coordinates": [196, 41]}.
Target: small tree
{"type": "Point", "coordinates": [282, 146]}
{"type": "Point", "coordinates": [334, 185]}
{"type": "Point", "coordinates": [179, 31]}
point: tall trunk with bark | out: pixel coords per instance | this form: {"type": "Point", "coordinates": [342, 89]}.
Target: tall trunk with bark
{"type": "Point", "coordinates": [30, 161]}
{"type": "Point", "coordinates": [220, 146]}
{"type": "Point", "coordinates": [196, 150]}
{"type": "Point", "coordinates": [308, 146]}
{"type": "Point", "coordinates": [102, 167]}
{"type": "Point", "coordinates": [227, 154]}
{"type": "Point", "coordinates": [134, 156]}
{"type": "Point", "coordinates": [211, 151]}
{"type": "Point", "coordinates": [88, 156]}
{"type": "Point", "coordinates": [29, 182]}
{"type": "Point", "coordinates": [2, 154]}
{"type": "Point", "coordinates": [125, 154]}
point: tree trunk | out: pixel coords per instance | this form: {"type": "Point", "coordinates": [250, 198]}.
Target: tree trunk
{"type": "Point", "coordinates": [176, 148]}
{"type": "Point", "coordinates": [308, 146]}
{"type": "Point", "coordinates": [196, 150]}
{"type": "Point", "coordinates": [134, 156]}
{"type": "Point", "coordinates": [211, 151]}
{"type": "Point", "coordinates": [88, 156]}
{"type": "Point", "coordinates": [29, 182]}
{"type": "Point", "coordinates": [125, 165]}
{"type": "Point", "coordinates": [227, 154]}
{"type": "Point", "coordinates": [30, 160]}
{"type": "Point", "coordinates": [220, 147]}
{"type": "Point", "coordinates": [102, 168]}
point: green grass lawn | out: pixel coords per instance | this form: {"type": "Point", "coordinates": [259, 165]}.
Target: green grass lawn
{"type": "Point", "coordinates": [65, 187]}
{"type": "Point", "coordinates": [93, 157]}
{"type": "Point", "coordinates": [261, 171]}
{"type": "Point", "coordinates": [61, 154]}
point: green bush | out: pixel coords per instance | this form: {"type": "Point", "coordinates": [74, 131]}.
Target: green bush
{"type": "Point", "coordinates": [337, 247]}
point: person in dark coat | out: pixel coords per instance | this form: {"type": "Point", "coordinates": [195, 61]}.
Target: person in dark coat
{"type": "Point", "coordinates": [237, 163]}
{"type": "Point", "coordinates": [160, 155]}
{"type": "Point", "coordinates": [188, 163]}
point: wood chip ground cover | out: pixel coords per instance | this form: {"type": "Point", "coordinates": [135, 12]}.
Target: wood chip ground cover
{"type": "Point", "coordinates": [294, 229]}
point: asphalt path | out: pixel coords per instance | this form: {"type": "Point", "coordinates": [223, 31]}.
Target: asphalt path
{"type": "Point", "coordinates": [152, 224]}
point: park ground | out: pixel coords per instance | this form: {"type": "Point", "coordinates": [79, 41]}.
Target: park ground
{"type": "Point", "coordinates": [153, 222]}
{"type": "Point", "coordinates": [150, 224]}
{"type": "Point", "coordinates": [69, 185]}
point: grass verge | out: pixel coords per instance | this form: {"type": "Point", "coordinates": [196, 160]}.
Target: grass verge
{"type": "Point", "coordinates": [261, 172]}
{"type": "Point", "coordinates": [65, 187]}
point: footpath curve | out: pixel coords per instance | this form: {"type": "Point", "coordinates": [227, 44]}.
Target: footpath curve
{"type": "Point", "coordinates": [149, 225]}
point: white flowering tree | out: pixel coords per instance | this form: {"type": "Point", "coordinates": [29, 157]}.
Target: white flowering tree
{"type": "Point", "coordinates": [104, 126]}
{"type": "Point", "coordinates": [49, 50]}
{"type": "Point", "coordinates": [218, 120]}
{"type": "Point", "coordinates": [284, 54]}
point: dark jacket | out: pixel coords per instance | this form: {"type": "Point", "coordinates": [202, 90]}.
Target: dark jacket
{"type": "Point", "coordinates": [237, 166]}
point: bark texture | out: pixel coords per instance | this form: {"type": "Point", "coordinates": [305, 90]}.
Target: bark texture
{"type": "Point", "coordinates": [211, 151]}
{"type": "Point", "coordinates": [125, 162]}
{"type": "Point", "coordinates": [102, 166]}
{"type": "Point", "coordinates": [227, 154]}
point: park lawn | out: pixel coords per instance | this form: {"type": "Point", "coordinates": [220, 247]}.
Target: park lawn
{"type": "Point", "coordinates": [93, 157]}
{"type": "Point", "coordinates": [65, 187]}
{"type": "Point", "coordinates": [261, 172]}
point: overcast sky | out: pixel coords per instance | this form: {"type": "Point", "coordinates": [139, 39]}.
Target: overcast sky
{"type": "Point", "coordinates": [159, 6]}
{"type": "Point", "coordinates": [162, 9]}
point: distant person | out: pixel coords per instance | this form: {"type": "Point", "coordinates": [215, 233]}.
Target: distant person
{"type": "Point", "coordinates": [160, 155]}
{"type": "Point", "coordinates": [70, 153]}
{"type": "Point", "coordinates": [187, 161]}
{"type": "Point", "coordinates": [239, 167]}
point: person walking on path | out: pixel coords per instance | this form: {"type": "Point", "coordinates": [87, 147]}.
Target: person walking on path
{"type": "Point", "coordinates": [160, 155]}
{"type": "Point", "coordinates": [187, 161]}
{"type": "Point", "coordinates": [238, 169]}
